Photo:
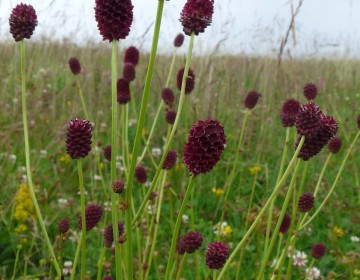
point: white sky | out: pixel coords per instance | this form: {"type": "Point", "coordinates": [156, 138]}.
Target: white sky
{"type": "Point", "coordinates": [323, 27]}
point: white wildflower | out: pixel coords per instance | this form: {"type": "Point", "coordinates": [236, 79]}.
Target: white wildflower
{"type": "Point", "coordinates": [67, 267]}
{"type": "Point", "coordinates": [132, 122]}
{"type": "Point", "coordinates": [156, 152]}
{"type": "Point", "coordinates": [43, 153]}
{"type": "Point", "coordinates": [312, 273]}
{"type": "Point", "coordinates": [97, 177]}
{"type": "Point", "coordinates": [299, 258]}
{"type": "Point", "coordinates": [354, 239]}
{"type": "Point", "coordinates": [185, 219]}
{"type": "Point", "coordinates": [12, 157]}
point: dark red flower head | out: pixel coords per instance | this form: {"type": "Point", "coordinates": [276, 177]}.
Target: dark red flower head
{"type": "Point", "coordinates": [313, 144]}
{"type": "Point", "coordinates": [310, 91]}
{"type": "Point", "coordinates": [109, 234]}
{"type": "Point", "coordinates": [196, 16]}
{"type": "Point", "coordinates": [191, 242]}
{"type": "Point", "coordinates": [129, 72]}
{"type": "Point", "coordinates": [63, 225]}
{"type": "Point", "coordinates": [23, 21]}
{"type": "Point", "coordinates": [308, 120]}
{"type": "Point", "coordinates": [179, 40]}
{"type": "Point", "coordinates": [190, 80]}
{"type": "Point", "coordinates": [132, 55]}
{"type": "Point", "coordinates": [123, 91]}
{"type": "Point", "coordinates": [170, 160]}
{"type": "Point", "coordinates": [93, 214]}
{"type": "Point", "coordinates": [204, 146]}
{"type": "Point", "coordinates": [108, 277]}
{"type": "Point", "coordinates": [306, 202]}
{"type": "Point", "coordinates": [118, 186]}
{"type": "Point", "coordinates": [107, 152]}
{"type": "Point", "coordinates": [78, 138]}
{"type": "Point", "coordinates": [318, 250]}
{"type": "Point", "coordinates": [251, 99]}
{"type": "Point", "coordinates": [216, 255]}
{"type": "Point", "coordinates": [170, 116]}
{"type": "Point", "coordinates": [74, 65]}
{"type": "Point", "coordinates": [358, 121]}
{"type": "Point", "coordinates": [289, 111]}
{"type": "Point", "coordinates": [114, 18]}
{"type": "Point", "coordinates": [285, 224]}
{"type": "Point", "coordinates": [334, 145]}
{"type": "Point", "coordinates": [167, 96]}
{"type": "Point", "coordinates": [140, 174]}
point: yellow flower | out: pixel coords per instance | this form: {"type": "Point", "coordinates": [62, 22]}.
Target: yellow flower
{"type": "Point", "coordinates": [357, 271]}
{"type": "Point", "coordinates": [222, 229]}
{"type": "Point", "coordinates": [254, 169]}
{"type": "Point", "coordinates": [24, 206]}
{"type": "Point", "coordinates": [217, 191]}
{"type": "Point", "coordinates": [21, 228]}
{"type": "Point", "coordinates": [65, 158]}
{"type": "Point", "coordinates": [68, 103]}
{"type": "Point", "coordinates": [101, 165]}
{"type": "Point", "coordinates": [338, 231]}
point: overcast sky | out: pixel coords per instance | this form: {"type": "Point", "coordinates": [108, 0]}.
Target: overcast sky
{"type": "Point", "coordinates": [323, 27]}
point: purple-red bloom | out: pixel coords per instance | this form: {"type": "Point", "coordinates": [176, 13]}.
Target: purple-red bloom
{"type": "Point", "coordinates": [132, 55]}
{"type": "Point", "coordinates": [204, 146]}
{"type": "Point", "coordinates": [140, 174]}
{"type": "Point", "coordinates": [191, 242]}
{"type": "Point", "coordinates": [123, 91]}
{"type": "Point", "coordinates": [93, 214]}
{"type": "Point", "coordinates": [285, 224]}
{"type": "Point", "coordinates": [167, 96]}
{"type": "Point", "coordinates": [196, 16]}
{"type": "Point", "coordinates": [306, 202]}
{"type": "Point", "coordinates": [308, 120]}
{"type": "Point", "coordinates": [78, 138]}
{"type": "Point", "coordinates": [170, 116]}
{"type": "Point", "coordinates": [114, 18]}
{"type": "Point", "coordinates": [22, 21]}
{"type": "Point", "coordinates": [63, 225]}
{"type": "Point", "coordinates": [190, 80]}
{"type": "Point", "coordinates": [251, 99]}
{"type": "Point", "coordinates": [179, 40]}
{"type": "Point", "coordinates": [118, 186]}
{"type": "Point", "coordinates": [318, 250]}
{"type": "Point", "coordinates": [289, 111]}
{"type": "Point", "coordinates": [109, 234]}
{"type": "Point", "coordinates": [170, 160]}
{"type": "Point", "coordinates": [74, 65]}
{"type": "Point", "coordinates": [107, 152]}
{"type": "Point", "coordinates": [216, 255]}
{"type": "Point", "coordinates": [334, 145]}
{"type": "Point", "coordinates": [129, 72]}
{"type": "Point", "coordinates": [358, 121]}
{"type": "Point", "coordinates": [310, 91]}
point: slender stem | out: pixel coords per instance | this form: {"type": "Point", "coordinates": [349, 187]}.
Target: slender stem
{"type": "Point", "coordinates": [177, 227]}
{"type": "Point", "coordinates": [282, 214]}
{"type": "Point", "coordinates": [83, 218]}
{"type": "Point", "coordinates": [28, 166]}
{"type": "Point", "coordinates": [263, 210]}
{"type": "Point", "coordinates": [114, 210]}
{"type": "Point", "coordinates": [172, 133]}
{"type": "Point", "coordinates": [183, 260]}
{"type": "Point", "coordinates": [130, 180]}
{"type": "Point", "coordinates": [81, 97]}
{"type": "Point", "coordinates": [61, 249]}
{"type": "Point", "coordinates": [281, 170]}
{"type": "Point", "coordinates": [19, 247]}
{"type": "Point", "coordinates": [309, 269]}
{"type": "Point", "coordinates": [77, 254]}
{"type": "Point", "coordinates": [334, 184]}
{"type": "Point", "coordinates": [322, 174]}
{"type": "Point", "coordinates": [100, 263]}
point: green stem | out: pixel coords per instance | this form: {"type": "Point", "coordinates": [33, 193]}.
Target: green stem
{"type": "Point", "coordinates": [83, 219]}
{"type": "Point", "coordinates": [100, 263]}
{"type": "Point", "coordinates": [281, 217]}
{"type": "Point", "coordinates": [334, 184]}
{"type": "Point", "coordinates": [322, 174]}
{"type": "Point", "coordinates": [19, 247]}
{"type": "Point", "coordinates": [114, 210]}
{"type": "Point", "coordinates": [81, 97]}
{"type": "Point", "coordinates": [173, 130]}
{"type": "Point", "coordinates": [263, 210]}
{"type": "Point", "coordinates": [77, 254]}
{"type": "Point", "coordinates": [177, 227]}
{"type": "Point", "coordinates": [28, 166]}
{"type": "Point", "coordinates": [130, 180]}
{"type": "Point", "coordinates": [181, 267]}
{"type": "Point", "coordinates": [281, 170]}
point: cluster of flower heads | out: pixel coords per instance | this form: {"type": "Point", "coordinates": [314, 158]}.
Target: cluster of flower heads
{"type": "Point", "coordinates": [109, 234]}
{"type": "Point", "coordinates": [131, 59]}
{"type": "Point", "coordinates": [310, 122]}
{"type": "Point", "coordinates": [93, 214]}
{"type": "Point", "coordinates": [204, 146]}
{"type": "Point", "coordinates": [23, 20]}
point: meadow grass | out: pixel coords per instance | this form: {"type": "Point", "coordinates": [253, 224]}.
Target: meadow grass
{"type": "Point", "coordinates": [221, 85]}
